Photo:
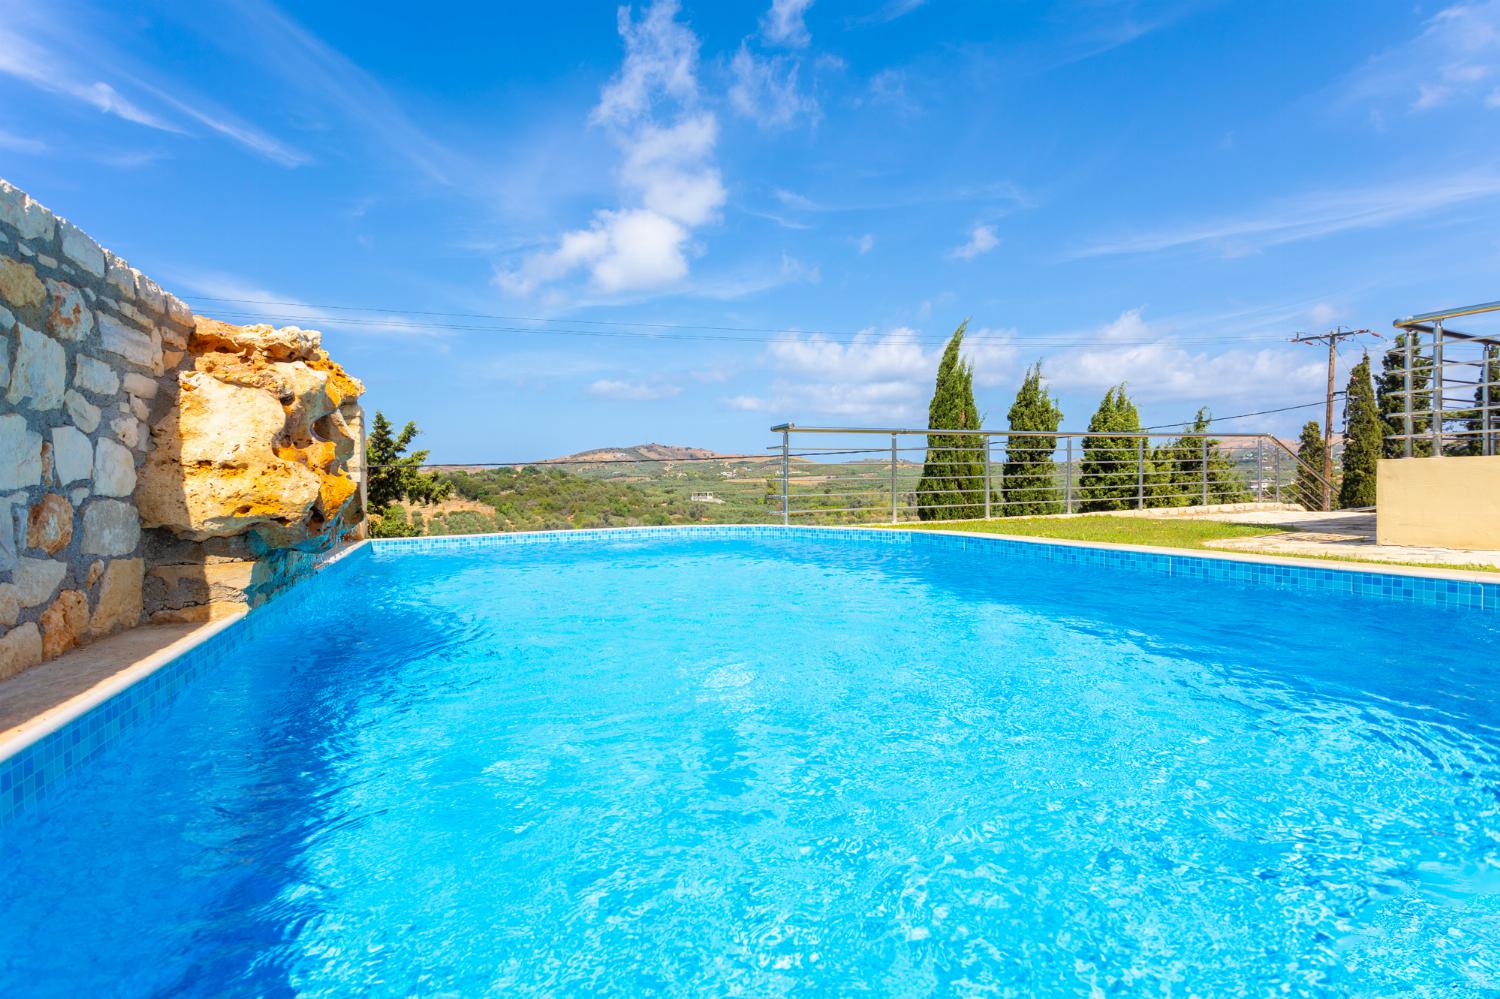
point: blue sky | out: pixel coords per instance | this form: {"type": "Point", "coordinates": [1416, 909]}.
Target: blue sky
{"type": "Point", "coordinates": [775, 211]}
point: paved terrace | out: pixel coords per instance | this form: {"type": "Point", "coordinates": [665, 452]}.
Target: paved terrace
{"type": "Point", "coordinates": [1348, 534]}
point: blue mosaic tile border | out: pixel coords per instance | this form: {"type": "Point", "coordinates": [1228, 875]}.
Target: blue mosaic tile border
{"type": "Point", "coordinates": [28, 775]}
{"type": "Point", "coordinates": [1427, 591]}
{"type": "Point", "coordinates": [31, 773]}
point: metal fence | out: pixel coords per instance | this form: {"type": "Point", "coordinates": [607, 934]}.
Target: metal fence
{"type": "Point", "coordinates": [1449, 385]}
{"type": "Point", "coordinates": [841, 474]}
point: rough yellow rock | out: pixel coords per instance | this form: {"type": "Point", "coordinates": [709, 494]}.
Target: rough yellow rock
{"type": "Point", "coordinates": [49, 525]}
{"type": "Point", "coordinates": [64, 623]}
{"type": "Point", "coordinates": [119, 602]}
{"type": "Point", "coordinates": [19, 284]}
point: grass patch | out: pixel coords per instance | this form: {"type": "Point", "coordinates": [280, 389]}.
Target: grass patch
{"type": "Point", "coordinates": [1164, 533]}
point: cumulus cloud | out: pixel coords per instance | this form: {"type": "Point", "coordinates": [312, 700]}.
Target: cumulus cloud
{"type": "Point", "coordinates": [1133, 351]}
{"type": "Point", "coordinates": [631, 391]}
{"type": "Point", "coordinates": [982, 239]}
{"type": "Point", "coordinates": [870, 377]}
{"type": "Point", "coordinates": [667, 176]}
{"type": "Point", "coordinates": [783, 24]}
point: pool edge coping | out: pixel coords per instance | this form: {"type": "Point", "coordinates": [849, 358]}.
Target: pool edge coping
{"type": "Point", "coordinates": [32, 731]}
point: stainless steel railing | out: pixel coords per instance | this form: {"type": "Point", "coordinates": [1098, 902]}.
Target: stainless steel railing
{"type": "Point", "coordinates": [1449, 385]}
{"type": "Point", "coordinates": [838, 474]}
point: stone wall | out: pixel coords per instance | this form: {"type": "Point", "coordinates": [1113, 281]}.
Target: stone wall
{"type": "Point", "coordinates": [242, 446]}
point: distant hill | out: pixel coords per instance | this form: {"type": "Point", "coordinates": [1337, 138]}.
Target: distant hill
{"type": "Point", "coordinates": [640, 452]}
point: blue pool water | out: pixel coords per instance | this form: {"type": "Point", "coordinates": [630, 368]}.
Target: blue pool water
{"type": "Point", "coordinates": [763, 766]}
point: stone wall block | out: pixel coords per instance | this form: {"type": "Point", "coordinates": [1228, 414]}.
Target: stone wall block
{"type": "Point", "coordinates": [119, 603]}
{"type": "Point", "coordinates": [114, 469]}
{"type": "Point", "coordinates": [120, 276]}
{"type": "Point", "coordinates": [139, 386]}
{"type": "Point", "coordinates": [64, 623]}
{"type": "Point", "coordinates": [40, 371]}
{"type": "Point", "coordinates": [84, 414]}
{"type": "Point", "coordinates": [94, 376]}
{"type": "Point", "coordinates": [131, 344]}
{"type": "Point", "coordinates": [10, 605]}
{"type": "Point", "coordinates": [20, 648]}
{"type": "Point", "coordinates": [20, 453]}
{"type": "Point", "coordinates": [68, 318]}
{"type": "Point", "coordinates": [110, 527]}
{"type": "Point", "coordinates": [29, 218]}
{"type": "Point", "coordinates": [79, 248]}
{"type": "Point", "coordinates": [49, 524]}
{"type": "Point", "coordinates": [72, 455]}
{"type": "Point", "coordinates": [19, 284]}
{"type": "Point", "coordinates": [36, 579]}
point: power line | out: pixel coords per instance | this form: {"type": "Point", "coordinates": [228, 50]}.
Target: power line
{"type": "Point", "coordinates": [1241, 416]}
{"type": "Point", "coordinates": [664, 331]}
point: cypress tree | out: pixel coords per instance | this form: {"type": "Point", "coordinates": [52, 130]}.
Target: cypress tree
{"type": "Point", "coordinates": [1307, 488]}
{"type": "Point", "coordinates": [952, 482]}
{"type": "Point", "coordinates": [1177, 472]}
{"type": "Point", "coordinates": [1030, 485]}
{"type": "Point", "coordinates": [1474, 422]}
{"type": "Point", "coordinates": [1364, 434]}
{"type": "Point", "coordinates": [394, 474]}
{"type": "Point", "coordinates": [1107, 475]}
{"type": "Point", "coordinates": [1392, 405]}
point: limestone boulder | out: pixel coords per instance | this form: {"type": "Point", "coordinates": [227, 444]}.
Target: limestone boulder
{"type": "Point", "coordinates": [214, 470]}
{"type": "Point", "coordinates": [20, 648]}
{"type": "Point", "coordinates": [287, 343]}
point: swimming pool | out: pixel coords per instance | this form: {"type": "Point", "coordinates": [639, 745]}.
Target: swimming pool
{"type": "Point", "coordinates": [771, 761]}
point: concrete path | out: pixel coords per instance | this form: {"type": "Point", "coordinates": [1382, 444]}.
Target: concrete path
{"type": "Point", "coordinates": [1339, 534]}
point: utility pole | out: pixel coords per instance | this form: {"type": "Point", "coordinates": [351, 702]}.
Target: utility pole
{"type": "Point", "coordinates": [1332, 338]}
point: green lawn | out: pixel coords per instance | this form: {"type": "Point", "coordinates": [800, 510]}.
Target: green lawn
{"type": "Point", "coordinates": [1114, 530]}
{"type": "Point", "coordinates": [1164, 533]}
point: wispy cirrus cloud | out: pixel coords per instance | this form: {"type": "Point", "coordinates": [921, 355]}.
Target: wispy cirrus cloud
{"type": "Point", "coordinates": [628, 390]}
{"type": "Point", "coordinates": [1454, 61]}
{"type": "Point", "coordinates": [52, 50]}
{"type": "Point", "coordinates": [1309, 216]}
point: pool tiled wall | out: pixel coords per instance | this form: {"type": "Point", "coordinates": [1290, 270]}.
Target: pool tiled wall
{"type": "Point", "coordinates": [29, 774]}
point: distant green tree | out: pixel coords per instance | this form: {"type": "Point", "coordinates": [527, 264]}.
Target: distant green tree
{"type": "Point", "coordinates": [1474, 422]}
{"type": "Point", "coordinates": [394, 474]}
{"type": "Point", "coordinates": [1108, 474]}
{"type": "Point", "coordinates": [952, 482]}
{"type": "Point", "coordinates": [1364, 434]}
{"type": "Point", "coordinates": [1183, 470]}
{"type": "Point", "coordinates": [1030, 484]}
{"type": "Point", "coordinates": [1389, 401]}
{"type": "Point", "coordinates": [1312, 451]}
{"type": "Point", "coordinates": [392, 522]}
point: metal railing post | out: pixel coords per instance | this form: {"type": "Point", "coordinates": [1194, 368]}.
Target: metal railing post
{"type": "Point", "coordinates": [986, 478]}
{"type": "Point", "coordinates": [1068, 479]}
{"type": "Point", "coordinates": [1260, 469]}
{"type": "Point", "coordinates": [1437, 390]}
{"type": "Point", "coordinates": [895, 517]}
{"type": "Point", "coordinates": [1485, 447]}
{"type": "Point", "coordinates": [786, 469]}
{"type": "Point", "coordinates": [1140, 473]}
{"type": "Point", "coordinates": [1205, 471]}
{"type": "Point", "coordinates": [1408, 424]}
{"type": "Point", "coordinates": [1276, 471]}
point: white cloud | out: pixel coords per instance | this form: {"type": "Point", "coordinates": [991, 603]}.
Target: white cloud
{"type": "Point", "coordinates": [667, 176]}
{"type": "Point", "coordinates": [982, 239]}
{"type": "Point", "coordinates": [881, 378]}
{"type": "Point", "coordinates": [783, 24]}
{"type": "Point", "coordinates": [1311, 216]}
{"type": "Point", "coordinates": [765, 90]}
{"type": "Point", "coordinates": [1133, 351]}
{"type": "Point", "coordinates": [865, 243]}
{"type": "Point", "coordinates": [1448, 64]}
{"type": "Point", "coordinates": [631, 391]}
